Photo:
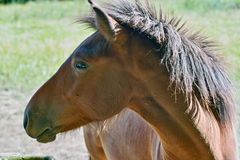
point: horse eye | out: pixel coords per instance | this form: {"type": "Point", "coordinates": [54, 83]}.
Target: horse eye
{"type": "Point", "coordinates": [81, 65]}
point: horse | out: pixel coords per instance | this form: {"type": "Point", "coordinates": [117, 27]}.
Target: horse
{"type": "Point", "coordinates": [117, 138]}
{"type": "Point", "coordinates": [139, 61]}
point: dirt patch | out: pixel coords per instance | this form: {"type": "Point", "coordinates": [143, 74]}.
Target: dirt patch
{"type": "Point", "coordinates": [14, 140]}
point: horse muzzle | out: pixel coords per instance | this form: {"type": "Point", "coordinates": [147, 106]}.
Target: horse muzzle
{"type": "Point", "coordinates": [38, 128]}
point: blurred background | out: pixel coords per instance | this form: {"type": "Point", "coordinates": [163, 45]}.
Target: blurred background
{"type": "Point", "coordinates": [37, 36]}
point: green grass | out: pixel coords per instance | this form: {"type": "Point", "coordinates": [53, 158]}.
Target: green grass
{"type": "Point", "coordinates": [26, 158]}
{"type": "Point", "coordinates": [203, 5]}
{"type": "Point", "coordinates": [35, 39]}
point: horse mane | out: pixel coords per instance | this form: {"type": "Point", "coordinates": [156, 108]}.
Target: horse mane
{"type": "Point", "coordinates": [190, 58]}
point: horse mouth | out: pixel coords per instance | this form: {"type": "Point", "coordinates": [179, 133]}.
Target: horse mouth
{"type": "Point", "coordinates": [46, 136]}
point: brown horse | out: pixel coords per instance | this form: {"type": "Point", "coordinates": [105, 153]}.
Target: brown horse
{"type": "Point", "coordinates": [171, 78]}
{"type": "Point", "coordinates": [124, 136]}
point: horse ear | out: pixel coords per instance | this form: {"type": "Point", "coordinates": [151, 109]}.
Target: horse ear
{"type": "Point", "coordinates": [105, 24]}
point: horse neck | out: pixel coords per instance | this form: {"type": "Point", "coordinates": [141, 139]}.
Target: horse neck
{"type": "Point", "coordinates": [180, 137]}
{"type": "Point", "coordinates": [183, 138]}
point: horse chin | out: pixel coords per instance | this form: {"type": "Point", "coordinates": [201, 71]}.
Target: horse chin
{"type": "Point", "coordinates": [46, 136]}
{"type": "Point", "coordinates": [46, 139]}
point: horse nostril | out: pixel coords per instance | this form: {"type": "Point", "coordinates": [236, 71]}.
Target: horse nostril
{"type": "Point", "coordinates": [25, 121]}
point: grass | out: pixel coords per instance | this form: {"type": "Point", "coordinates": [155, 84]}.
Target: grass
{"type": "Point", "coordinates": [35, 39]}
{"type": "Point", "coordinates": [26, 158]}
{"type": "Point", "coordinates": [203, 4]}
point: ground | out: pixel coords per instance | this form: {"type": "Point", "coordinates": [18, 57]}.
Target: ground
{"type": "Point", "coordinates": [14, 140]}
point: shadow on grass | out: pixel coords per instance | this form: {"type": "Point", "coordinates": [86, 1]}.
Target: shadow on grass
{"type": "Point", "coordinates": [26, 158]}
